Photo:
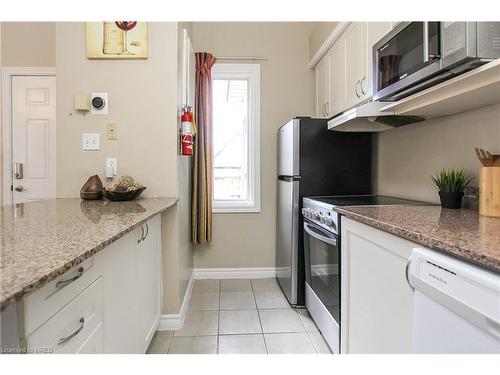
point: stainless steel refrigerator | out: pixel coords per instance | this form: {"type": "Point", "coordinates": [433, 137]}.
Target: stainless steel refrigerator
{"type": "Point", "coordinates": [312, 161]}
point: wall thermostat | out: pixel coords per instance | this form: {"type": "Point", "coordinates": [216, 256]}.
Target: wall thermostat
{"type": "Point", "coordinates": [99, 103]}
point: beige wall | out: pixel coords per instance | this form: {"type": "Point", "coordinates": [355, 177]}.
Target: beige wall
{"type": "Point", "coordinates": [287, 90]}
{"type": "Point", "coordinates": [142, 103]}
{"type": "Point", "coordinates": [408, 156]}
{"type": "Point", "coordinates": [143, 99]}
{"type": "Point", "coordinates": [28, 44]}
{"type": "Point", "coordinates": [319, 34]}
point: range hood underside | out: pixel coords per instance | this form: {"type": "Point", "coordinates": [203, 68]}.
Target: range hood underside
{"type": "Point", "coordinates": [368, 118]}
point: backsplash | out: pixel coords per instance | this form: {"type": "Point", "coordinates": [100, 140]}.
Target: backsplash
{"type": "Point", "coordinates": [406, 157]}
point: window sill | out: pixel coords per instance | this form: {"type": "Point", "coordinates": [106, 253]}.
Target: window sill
{"type": "Point", "coordinates": [236, 210]}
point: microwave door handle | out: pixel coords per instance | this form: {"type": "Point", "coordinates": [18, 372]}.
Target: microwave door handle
{"type": "Point", "coordinates": [331, 241]}
{"type": "Point", "coordinates": [426, 41]}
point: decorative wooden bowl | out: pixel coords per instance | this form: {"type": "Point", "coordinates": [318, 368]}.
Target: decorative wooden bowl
{"type": "Point", "coordinates": [92, 189]}
{"type": "Point", "coordinates": [123, 195]}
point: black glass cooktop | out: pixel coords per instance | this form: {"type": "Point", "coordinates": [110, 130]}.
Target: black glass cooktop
{"type": "Point", "coordinates": [366, 200]}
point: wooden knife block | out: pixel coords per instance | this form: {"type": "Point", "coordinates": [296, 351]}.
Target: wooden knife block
{"type": "Point", "coordinates": [489, 191]}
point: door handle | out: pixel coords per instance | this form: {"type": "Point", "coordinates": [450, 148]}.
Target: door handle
{"type": "Point", "coordinates": [19, 188]}
{"type": "Point", "coordinates": [356, 88]}
{"type": "Point", "coordinates": [331, 241]}
{"type": "Point", "coordinates": [142, 233]}
{"type": "Point", "coordinates": [361, 85]}
{"type": "Point", "coordinates": [63, 283]}
{"type": "Point", "coordinates": [407, 270]}
{"type": "Point", "coordinates": [67, 338]}
{"type": "Point", "coordinates": [426, 41]}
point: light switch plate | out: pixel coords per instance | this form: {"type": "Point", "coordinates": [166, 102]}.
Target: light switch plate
{"type": "Point", "coordinates": [111, 132]}
{"type": "Point", "coordinates": [91, 142]}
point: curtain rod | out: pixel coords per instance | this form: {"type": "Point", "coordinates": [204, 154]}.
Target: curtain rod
{"type": "Point", "coordinates": [253, 58]}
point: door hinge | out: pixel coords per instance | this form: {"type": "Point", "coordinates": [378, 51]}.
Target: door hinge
{"type": "Point", "coordinates": [11, 187]}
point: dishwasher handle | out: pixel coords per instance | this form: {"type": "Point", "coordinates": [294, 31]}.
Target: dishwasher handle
{"type": "Point", "coordinates": [407, 273]}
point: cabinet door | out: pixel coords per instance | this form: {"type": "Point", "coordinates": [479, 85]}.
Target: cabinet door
{"type": "Point", "coordinates": [322, 87]}
{"type": "Point", "coordinates": [355, 60]}
{"type": "Point", "coordinates": [148, 281]}
{"type": "Point", "coordinates": [120, 295]}
{"type": "Point", "coordinates": [337, 77]}
{"type": "Point", "coordinates": [374, 32]}
{"type": "Point", "coordinates": [376, 300]}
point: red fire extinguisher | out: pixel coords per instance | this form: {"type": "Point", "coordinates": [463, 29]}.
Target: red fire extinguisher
{"type": "Point", "coordinates": [186, 131]}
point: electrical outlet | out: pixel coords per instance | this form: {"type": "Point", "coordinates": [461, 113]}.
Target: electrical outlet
{"type": "Point", "coordinates": [111, 132]}
{"type": "Point", "coordinates": [91, 141]}
{"type": "Point", "coordinates": [111, 167]}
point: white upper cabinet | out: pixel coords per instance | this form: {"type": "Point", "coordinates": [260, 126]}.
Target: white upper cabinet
{"type": "Point", "coordinates": [356, 67]}
{"type": "Point", "coordinates": [344, 74]}
{"type": "Point", "coordinates": [337, 78]}
{"type": "Point", "coordinates": [323, 87]}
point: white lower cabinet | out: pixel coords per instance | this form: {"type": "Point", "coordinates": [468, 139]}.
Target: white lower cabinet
{"type": "Point", "coordinates": [110, 303]}
{"type": "Point", "coordinates": [376, 300]}
{"type": "Point", "coordinates": [121, 307]}
{"type": "Point", "coordinates": [132, 287]}
{"type": "Point", "coordinates": [148, 258]}
{"type": "Point", "coordinates": [68, 330]}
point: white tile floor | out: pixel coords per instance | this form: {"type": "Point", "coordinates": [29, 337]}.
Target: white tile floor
{"type": "Point", "coordinates": [241, 316]}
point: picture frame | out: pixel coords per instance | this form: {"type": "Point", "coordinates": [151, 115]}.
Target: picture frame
{"type": "Point", "coordinates": [117, 40]}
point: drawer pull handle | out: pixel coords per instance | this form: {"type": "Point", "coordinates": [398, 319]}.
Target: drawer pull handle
{"type": "Point", "coordinates": [67, 338]}
{"type": "Point", "coordinates": [63, 283]}
{"type": "Point", "coordinates": [147, 231]}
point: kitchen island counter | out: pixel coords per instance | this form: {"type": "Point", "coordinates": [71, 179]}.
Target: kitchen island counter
{"type": "Point", "coordinates": [41, 240]}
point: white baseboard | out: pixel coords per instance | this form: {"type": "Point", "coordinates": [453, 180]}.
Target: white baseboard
{"type": "Point", "coordinates": [234, 273]}
{"type": "Point", "coordinates": [171, 322]}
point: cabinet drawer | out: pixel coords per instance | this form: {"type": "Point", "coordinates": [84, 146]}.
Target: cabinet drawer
{"type": "Point", "coordinates": [45, 302]}
{"type": "Point", "coordinates": [94, 344]}
{"type": "Point", "coordinates": [70, 328]}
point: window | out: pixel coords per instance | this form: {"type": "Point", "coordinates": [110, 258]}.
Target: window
{"type": "Point", "coordinates": [236, 156]}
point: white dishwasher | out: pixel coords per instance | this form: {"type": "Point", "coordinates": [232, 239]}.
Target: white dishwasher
{"type": "Point", "coordinates": [457, 304]}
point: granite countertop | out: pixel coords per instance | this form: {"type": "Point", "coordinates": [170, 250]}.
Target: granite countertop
{"type": "Point", "coordinates": [463, 233]}
{"type": "Point", "coordinates": [41, 240]}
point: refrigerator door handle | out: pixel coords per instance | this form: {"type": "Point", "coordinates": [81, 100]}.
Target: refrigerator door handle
{"type": "Point", "coordinates": [289, 178]}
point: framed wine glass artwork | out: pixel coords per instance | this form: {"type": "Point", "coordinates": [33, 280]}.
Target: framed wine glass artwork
{"type": "Point", "coordinates": [117, 40]}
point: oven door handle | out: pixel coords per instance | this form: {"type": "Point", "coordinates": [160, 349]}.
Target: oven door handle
{"type": "Point", "coordinates": [331, 241]}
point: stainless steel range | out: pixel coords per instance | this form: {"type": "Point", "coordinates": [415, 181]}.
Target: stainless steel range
{"type": "Point", "coordinates": [322, 253]}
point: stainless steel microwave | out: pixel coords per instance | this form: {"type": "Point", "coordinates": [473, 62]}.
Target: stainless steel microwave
{"type": "Point", "coordinates": [417, 55]}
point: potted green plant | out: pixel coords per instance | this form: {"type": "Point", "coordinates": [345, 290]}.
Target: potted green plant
{"type": "Point", "coordinates": [451, 184]}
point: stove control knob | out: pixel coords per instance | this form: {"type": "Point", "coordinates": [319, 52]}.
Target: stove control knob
{"type": "Point", "coordinates": [322, 220]}
{"type": "Point", "coordinates": [314, 215]}
{"type": "Point", "coordinates": [304, 212]}
{"type": "Point", "coordinates": [329, 222]}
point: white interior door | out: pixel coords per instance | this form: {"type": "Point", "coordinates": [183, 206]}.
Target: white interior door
{"type": "Point", "coordinates": [34, 137]}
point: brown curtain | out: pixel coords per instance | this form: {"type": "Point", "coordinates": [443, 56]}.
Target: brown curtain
{"type": "Point", "coordinates": [201, 216]}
